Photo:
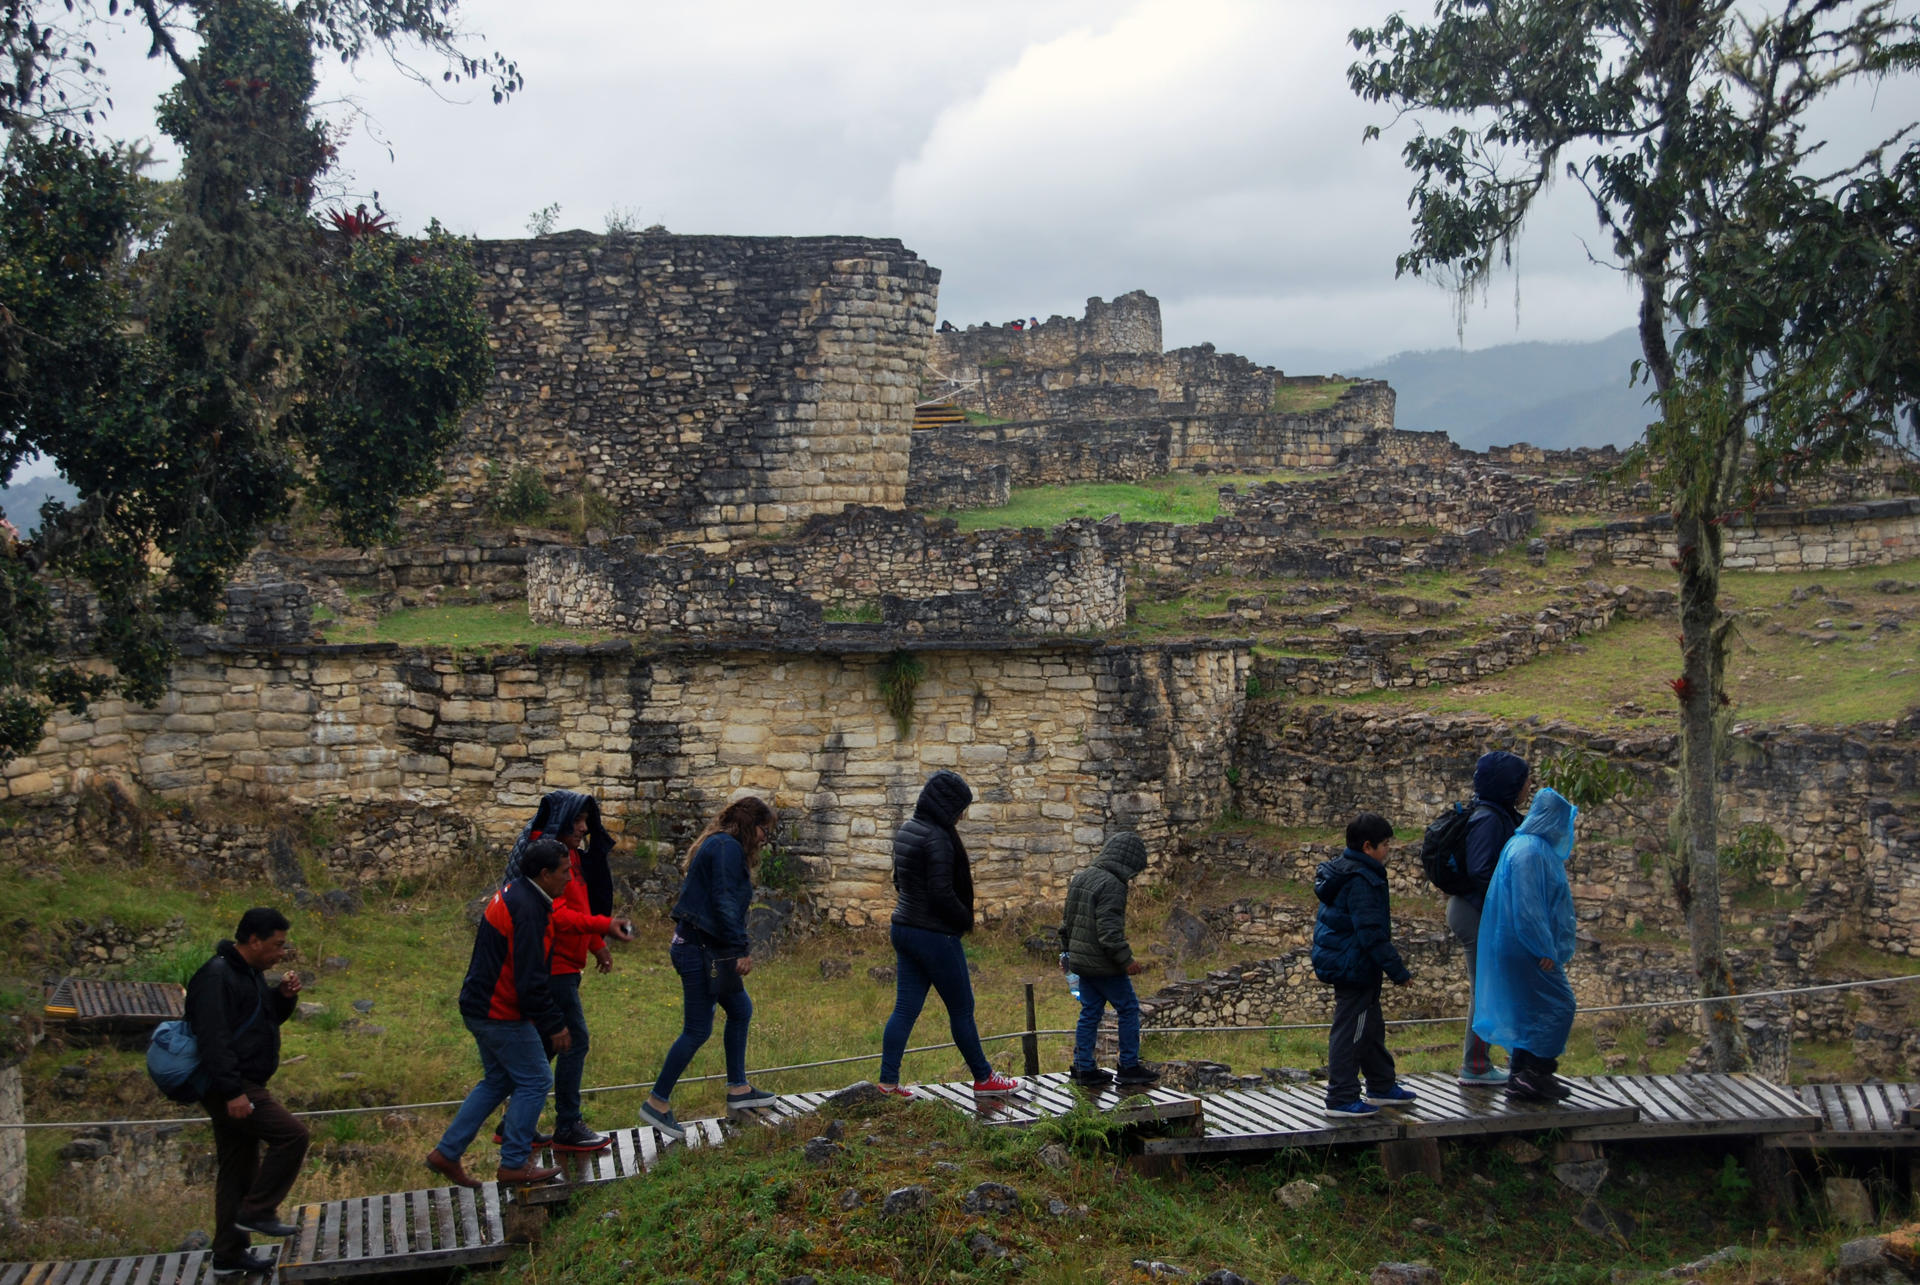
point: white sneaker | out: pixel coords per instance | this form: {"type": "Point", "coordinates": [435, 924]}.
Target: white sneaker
{"type": "Point", "coordinates": [1491, 1078]}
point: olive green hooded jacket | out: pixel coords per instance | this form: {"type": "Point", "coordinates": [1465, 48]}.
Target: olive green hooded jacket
{"type": "Point", "coordinates": [1093, 930]}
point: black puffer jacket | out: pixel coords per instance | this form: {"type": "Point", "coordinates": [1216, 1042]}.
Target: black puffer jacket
{"type": "Point", "coordinates": [931, 874]}
{"type": "Point", "coordinates": [1093, 928]}
{"type": "Point", "coordinates": [222, 999]}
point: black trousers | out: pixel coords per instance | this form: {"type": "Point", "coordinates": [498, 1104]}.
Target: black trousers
{"type": "Point", "coordinates": [251, 1185]}
{"type": "Point", "coordinates": [1525, 1061]}
{"type": "Point", "coordinates": [1357, 1045]}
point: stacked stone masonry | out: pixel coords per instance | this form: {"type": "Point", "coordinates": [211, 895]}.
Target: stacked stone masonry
{"type": "Point", "coordinates": [1871, 533]}
{"type": "Point", "coordinates": [919, 576]}
{"type": "Point", "coordinates": [1060, 743]}
{"type": "Point", "coordinates": [709, 387]}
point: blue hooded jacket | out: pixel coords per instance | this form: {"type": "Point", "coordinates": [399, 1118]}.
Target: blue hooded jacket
{"type": "Point", "coordinates": [1529, 917]}
{"type": "Point", "coordinates": [1353, 933]}
{"type": "Point", "coordinates": [1497, 781]}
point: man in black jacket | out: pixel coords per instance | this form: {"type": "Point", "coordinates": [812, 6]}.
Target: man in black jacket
{"type": "Point", "coordinates": [236, 1020]}
{"type": "Point", "coordinates": [1499, 782]}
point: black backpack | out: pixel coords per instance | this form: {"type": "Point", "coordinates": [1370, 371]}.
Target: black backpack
{"type": "Point", "coordinates": [1443, 852]}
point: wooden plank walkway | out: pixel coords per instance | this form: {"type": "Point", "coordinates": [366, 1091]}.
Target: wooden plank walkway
{"type": "Point", "coordinates": [82, 999]}
{"type": "Point", "coordinates": [195, 1268]}
{"type": "Point", "coordinates": [1272, 1119]}
{"type": "Point", "coordinates": [634, 1152]}
{"type": "Point", "coordinates": [1042, 1096]}
{"type": "Point", "coordinates": [1856, 1115]}
{"type": "Point", "coordinates": [1446, 1109]}
{"type": "Point", "coordinates": [1698, 1106]}
{"type": "Point", "coordinates": [401, 1231]}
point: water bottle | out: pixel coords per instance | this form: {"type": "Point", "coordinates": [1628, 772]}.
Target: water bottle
{"type": "Point", "coordinates": [1073, 978]}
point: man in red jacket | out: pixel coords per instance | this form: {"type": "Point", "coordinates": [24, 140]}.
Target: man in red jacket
{"type": "Point", "coordinates": [581, 924]}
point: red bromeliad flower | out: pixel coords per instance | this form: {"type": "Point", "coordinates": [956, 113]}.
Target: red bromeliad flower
{"type": "Point", "coordinates": [361, 222]}
{"type": "Point", "coordinates": [1681, 688]}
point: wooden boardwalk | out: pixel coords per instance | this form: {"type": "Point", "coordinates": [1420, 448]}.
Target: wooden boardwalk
{"type": "Point", "coordinates": [441, 1227]}
{"type": "Point", "coordinates": [1856, 1115]}
{"type": "Point", "coordinates": [86, 1001]}
{"type": "Point", "coordinates": [194, 1268]}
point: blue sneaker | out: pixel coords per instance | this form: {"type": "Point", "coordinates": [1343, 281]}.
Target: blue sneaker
{"type": "Point", "coordinates": [663, 1121]}
{"type": "Point", "coordinates": [1492, 1078]}
{"type": "Point", "coordinates": [1397, 1096]}
{"type": "Point", "coordinates": [1351, 1111]}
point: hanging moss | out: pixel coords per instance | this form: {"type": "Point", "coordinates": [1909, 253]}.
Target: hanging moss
{"type": "Point", "coordinates": [900, 676]}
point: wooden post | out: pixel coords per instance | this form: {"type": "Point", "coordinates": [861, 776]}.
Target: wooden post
{"type": "Point", "coordinates": [1030, 1042]}
{"type": "Point", "coordinates": [1411, 1156]}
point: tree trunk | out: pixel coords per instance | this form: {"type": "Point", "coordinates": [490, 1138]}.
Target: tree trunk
{"type": "Point", "coordinates": [1699, 693]}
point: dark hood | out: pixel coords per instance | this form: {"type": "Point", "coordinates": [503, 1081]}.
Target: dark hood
{"type": "Point", "coordinates": [943, 800]}
{"type": "Point", "coordinates": [557, 813]}
{"type": "Point", "coordinates": [1332, 876]}
{"type": "Point", "coordinates": [1498, 776]}
{"type": "Point", "coordinates": [1124, 855]}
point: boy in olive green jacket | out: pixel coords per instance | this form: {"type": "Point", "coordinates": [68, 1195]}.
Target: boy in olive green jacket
{"type": "Point", "coordinates": [1093, 943]}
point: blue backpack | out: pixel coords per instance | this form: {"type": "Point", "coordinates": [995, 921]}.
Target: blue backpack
{"type": "Point", "coordinates": [173, 1059]}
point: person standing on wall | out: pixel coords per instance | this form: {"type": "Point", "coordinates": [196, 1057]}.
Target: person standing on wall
{"type": "Point", "coordinates": [1524, 1001]}
{"type": "Point", "coordinates": [582, 921]}
{"type": "Point", "coordinates": [236, 1019]}
{"type": "Point", "coordinates": [713, 955]}
{"type": "Point", "coordinates": [1499, 783]}
{"type": "Point", "coordinates": [933, 882]}
{"type": "Point", "coordinates": [508, 1006]}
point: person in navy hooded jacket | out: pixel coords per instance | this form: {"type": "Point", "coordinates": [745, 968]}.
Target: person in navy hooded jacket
{"type": "Point", "coordinates": [1353, 952]}
{"type": "Point", "coordinates": [1499, 784]}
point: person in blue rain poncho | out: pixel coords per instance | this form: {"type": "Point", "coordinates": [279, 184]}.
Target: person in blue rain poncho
{"type": "Point", "coordinates": [1522, 1000]}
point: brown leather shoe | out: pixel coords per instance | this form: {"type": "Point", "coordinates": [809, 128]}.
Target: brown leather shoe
{"type": "Point", "coordinates": [452, 1170]}
{"type": "Point", "coordinates": [528, 1172]}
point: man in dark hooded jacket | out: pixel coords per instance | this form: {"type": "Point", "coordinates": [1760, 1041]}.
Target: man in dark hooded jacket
{"type": "Point", "coordinates": [236, 1018]}
{"type": "Point", "coordinates": [1499, 781]}
{"type": "Point", "coordinates": [1352, 951]}
{"type": "Point", "coordinates": [934, 884]}
{"type": "Point", "coordinates": [1093, 943]}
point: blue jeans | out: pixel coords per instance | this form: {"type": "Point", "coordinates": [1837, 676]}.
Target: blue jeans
{"type": "Point", "coordinates": [568, 1067]}
{"type": "Point", "coordinates": [696, 1022]}
{"type": "Point", "coordinates": [926, 960]}
{"type": "Point", "coordinates": [1095, 994]}
{"type": "Point", "coordinates": [513, 1065]}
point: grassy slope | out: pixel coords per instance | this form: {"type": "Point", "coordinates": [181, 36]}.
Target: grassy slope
{"type": "Point", "coordinates": [465, 627]}
{"type": "Point", "coordinates": [757, 1212]}
{"type": "Point", "coordinates": [1181, 497]}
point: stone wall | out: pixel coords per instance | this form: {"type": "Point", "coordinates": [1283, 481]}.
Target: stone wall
{"type": "Point", "coordinates": [1130, 324]}
{"type": "Point", "coordinates": [1127, 448]}
{"type": "Point", "coordinates": [1061, 742]}
{"type": "Point", "coordinates": [1872, 533]}
{"type": "Point", "coordinates": [1840, 801]}
{"type": "Point", "coordinates": [715, 386]}
{"type": "Point", "coordinates": [926, 577]}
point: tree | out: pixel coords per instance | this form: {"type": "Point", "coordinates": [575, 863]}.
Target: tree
{"type": "Point", "coordinates": [1777, 287]}
{"type": "Point", "coordinates": [194, 355]}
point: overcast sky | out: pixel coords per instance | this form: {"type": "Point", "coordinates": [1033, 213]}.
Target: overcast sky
{"type": "Point", "coordinates": [1036, 151]}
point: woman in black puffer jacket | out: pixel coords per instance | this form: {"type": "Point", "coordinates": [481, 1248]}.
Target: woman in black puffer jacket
{"type": "Point", "coordinates": [934, 910]}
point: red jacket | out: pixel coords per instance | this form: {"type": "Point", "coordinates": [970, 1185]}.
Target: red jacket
{"type": "Point", "coordinates": [577, 931]}
{"type": "Point", "coordinates": [507, 978]}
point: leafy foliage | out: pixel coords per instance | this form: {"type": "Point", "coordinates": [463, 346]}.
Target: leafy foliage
{"type": "Point", "coordinates": [192, 355]}
{"type": "Point", "coordinates": [1772, 279]}
{"type": "Point", "coordinates": [900, 676]}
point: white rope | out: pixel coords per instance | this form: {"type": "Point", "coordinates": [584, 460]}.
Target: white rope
{"type": "Point", "coordinates": [992, 1039]}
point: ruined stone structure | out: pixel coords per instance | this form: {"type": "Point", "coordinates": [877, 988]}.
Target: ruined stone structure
{"type": "Point", "coordinates": [1868, 534]}
{"type": "Point", "coordinates": [1061, 742]}
{"type": "Point", "coordinates": [709, 387]}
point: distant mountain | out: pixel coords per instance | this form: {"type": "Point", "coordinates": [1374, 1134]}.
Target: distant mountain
{"type": "Point", "coordinates": [1549, 395]}
{"type": "Point", "coordinates": [23, 499]}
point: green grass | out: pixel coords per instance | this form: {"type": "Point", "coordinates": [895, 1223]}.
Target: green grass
{"type": "Point", "coordinates": [1179, 497]}
{"type": "Point", "coordinates": [981, 420]}
{"type": "Point", "coordinates": [1304, 399]}
{"type": "Point", "coordinates": [484, 625]}
{"type": "Point", "coordinates": [862, 613]}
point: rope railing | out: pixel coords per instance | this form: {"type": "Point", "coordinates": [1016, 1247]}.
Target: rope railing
{"type": "Point", "coordinates": [1635, 1006]}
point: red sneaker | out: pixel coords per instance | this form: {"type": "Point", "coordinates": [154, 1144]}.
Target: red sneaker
{"type": "Point", "coordinates": [995, 1085]}
{"type": "Point", "coordinates": [897, 1091]}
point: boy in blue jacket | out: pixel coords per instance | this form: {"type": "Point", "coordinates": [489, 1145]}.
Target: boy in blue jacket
{"type": "Point", "coordinates": [1352, 951]}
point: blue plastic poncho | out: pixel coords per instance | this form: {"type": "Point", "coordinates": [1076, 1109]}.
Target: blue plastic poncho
{"type": "Point", "coordinates": [1528, 918]}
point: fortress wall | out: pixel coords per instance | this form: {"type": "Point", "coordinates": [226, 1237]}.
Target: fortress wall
{"type": "Point", "coordinates": [716, 386]}
{"type": "Point", "coordinates": [1872, 533]}
{"type": "Point", "coordinates": [1130, 324]}
{"type": "Point", "coordinates": [926, 577]}
{"type": "Point", "coordinates": [1061, 743]}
